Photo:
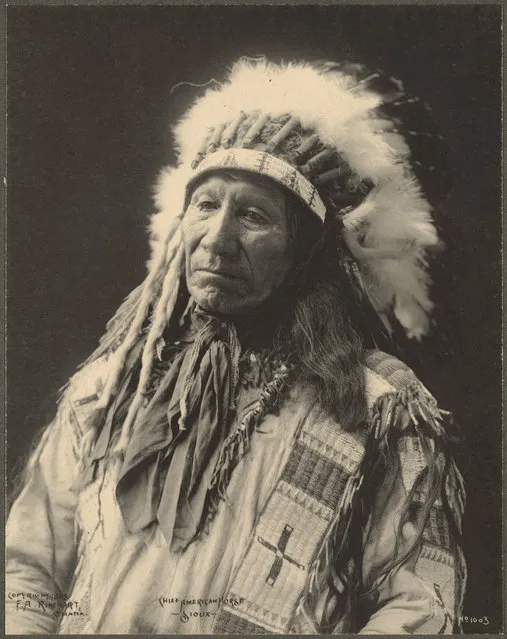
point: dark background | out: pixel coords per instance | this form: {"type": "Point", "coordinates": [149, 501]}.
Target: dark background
{"type": "Point", "coordinates": [89, 106]}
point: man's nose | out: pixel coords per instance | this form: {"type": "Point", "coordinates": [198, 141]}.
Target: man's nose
{"type": "Point", "coordinates": [222, 237]}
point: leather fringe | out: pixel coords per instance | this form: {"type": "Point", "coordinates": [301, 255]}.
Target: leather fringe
{"type": "Point", "coordinates": [236, 445]}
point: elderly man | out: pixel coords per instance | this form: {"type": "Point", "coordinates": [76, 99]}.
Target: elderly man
{"type": "Point", "coordinates": [236, 457]}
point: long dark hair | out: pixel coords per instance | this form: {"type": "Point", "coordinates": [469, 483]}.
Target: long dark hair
{"type": "Point", "coordinates": [319, 326]}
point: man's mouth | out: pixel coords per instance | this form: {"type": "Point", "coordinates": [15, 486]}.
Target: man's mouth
{"type": "Point", "coordinates": [220, 273]}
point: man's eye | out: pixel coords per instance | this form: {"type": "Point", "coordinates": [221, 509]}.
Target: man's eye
{"type": "Point", "coordinates": [206, 205]}
{"type": "Point", "coordinates": [251, 215]}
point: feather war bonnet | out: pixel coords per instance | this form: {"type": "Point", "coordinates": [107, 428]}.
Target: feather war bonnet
{"type": "Point", "coordinates": [383, 142]}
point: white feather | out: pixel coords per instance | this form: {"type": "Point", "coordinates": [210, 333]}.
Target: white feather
{"type": "Point", "coordinates": [389, 233]}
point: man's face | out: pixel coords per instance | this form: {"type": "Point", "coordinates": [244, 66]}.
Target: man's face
{"type": "Point", "coordinates": [238, 247]}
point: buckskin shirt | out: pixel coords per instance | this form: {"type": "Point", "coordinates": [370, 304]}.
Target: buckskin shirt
{"type": "Point", "coordinates": [73, 567]}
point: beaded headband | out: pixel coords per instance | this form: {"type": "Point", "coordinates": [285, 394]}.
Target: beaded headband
{"type": "Point", "coordinates": [268, 165]}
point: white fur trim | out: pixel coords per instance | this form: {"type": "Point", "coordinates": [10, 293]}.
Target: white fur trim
{"type": "Point", "coordinates": [324, 102]}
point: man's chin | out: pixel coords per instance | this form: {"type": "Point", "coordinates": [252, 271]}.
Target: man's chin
{"type": "Point", "coordinates": [216, 300]}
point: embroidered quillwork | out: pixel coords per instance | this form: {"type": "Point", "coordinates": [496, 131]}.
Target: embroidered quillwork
{"type": "Point", "coordinates": [279, 551]}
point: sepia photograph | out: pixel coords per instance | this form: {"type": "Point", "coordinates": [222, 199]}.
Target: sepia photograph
{"type": "Point", "coordinates": [254, 320]}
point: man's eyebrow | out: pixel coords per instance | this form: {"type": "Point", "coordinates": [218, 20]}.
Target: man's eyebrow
{"type": "Point", "coordinates": [206, 187]}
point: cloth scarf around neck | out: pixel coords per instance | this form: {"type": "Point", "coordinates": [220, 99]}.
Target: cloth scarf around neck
{"type": "Point", "coordinates": [177, 438]}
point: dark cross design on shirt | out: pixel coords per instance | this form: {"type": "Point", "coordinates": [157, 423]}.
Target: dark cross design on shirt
{"type": "Point", "coordinates": [279, 551]}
